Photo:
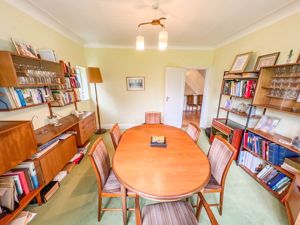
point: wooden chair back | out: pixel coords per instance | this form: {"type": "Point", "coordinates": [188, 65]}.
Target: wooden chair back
{"type": "Point", "coordinates": [292, 201]}
{"type": "Point", "coordinates": [152, 118]}
{"type": "Point", "coordinates": [190, 100]}
{"type": "Point", "coordinates": [100, 162]}
{"type": "Point", "coordinates": [199, 99]}
{"type": "Point", "coordinates": [115, 134]}
{"type": "Point", "coordinates": [193, 131]}
{"type": "Point", "coordinates": [221, 155]}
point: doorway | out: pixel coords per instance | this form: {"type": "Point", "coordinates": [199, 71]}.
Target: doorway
{"type": "Point", "coordinates": [193, 96]}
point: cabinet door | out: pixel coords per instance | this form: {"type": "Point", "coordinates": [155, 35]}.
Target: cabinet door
{"type": "Point", "coordinates": [86, 128]}
{"type": "Point", "coordinates": [55, 160]}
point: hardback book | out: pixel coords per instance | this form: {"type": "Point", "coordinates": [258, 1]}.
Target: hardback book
{"type": "Point", "coordinates": [48, 191]}
{"type": "Point", "coordinates": [32, 172]}
{"type": "Point", "coordinates": [293, 162]}
{"type": "Point", "coordinates": [158, 141]}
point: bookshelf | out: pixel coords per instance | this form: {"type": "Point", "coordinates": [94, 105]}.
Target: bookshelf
{"type": "Point", "coordinates": [241, 87]}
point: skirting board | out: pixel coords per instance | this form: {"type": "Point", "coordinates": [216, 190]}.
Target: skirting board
{"type": "Point", "coordinates": [122, 126]}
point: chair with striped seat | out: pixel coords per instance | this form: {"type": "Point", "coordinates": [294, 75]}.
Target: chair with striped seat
{"type": "Point", "coordinates": [220, 155]}
{"type": "Point", "coordinates": [292, 201]}
{"type": "Point", "coordinates": [115, 134]}
{"type": "Point", "coordinates": [152, 118]}
{"type": "Point", "coordinates": [108, 184]}
{"type": "Point", "coordinates": [171, 213]}
{"type": "Point", "coordinates": [193, 131]}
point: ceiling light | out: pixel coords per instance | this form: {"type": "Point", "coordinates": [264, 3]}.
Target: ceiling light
{"type": "Point", "coordinates": [162, 36]}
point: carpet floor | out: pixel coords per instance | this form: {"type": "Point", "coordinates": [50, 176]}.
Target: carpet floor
{"type": "Point", "coordinates": [75, 203]}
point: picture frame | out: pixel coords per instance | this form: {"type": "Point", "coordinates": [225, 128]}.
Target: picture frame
{"type": "Point", "coordinates": [240, 62]}
{"type": "Point", "coordinates": [267, 124]}
{"type": "Point", "coordinates": [135, 83]}
{"type": "Point", "coordinates": [266, 60]}
{"type": "Point", "coordinates": [23, 48]}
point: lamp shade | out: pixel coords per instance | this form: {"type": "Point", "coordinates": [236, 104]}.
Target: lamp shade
{"type": "Point", "coordinates": [94, 75]}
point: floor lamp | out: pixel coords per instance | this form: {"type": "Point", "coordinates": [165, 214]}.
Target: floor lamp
{"type": "Point", "coordinates": [95, 77]}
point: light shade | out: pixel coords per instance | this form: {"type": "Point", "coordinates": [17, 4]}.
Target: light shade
{"type": "Point", "coordinates": [94, 75]}
{"type": "Point", "coordinates": [163, 40]}
{"type": "Point", "coordinates": [140, 44]}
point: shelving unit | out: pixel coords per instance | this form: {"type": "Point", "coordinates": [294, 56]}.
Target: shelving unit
{"type": "Point", "coordinates": [24, 107]}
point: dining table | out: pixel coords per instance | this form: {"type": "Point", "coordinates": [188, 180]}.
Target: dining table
{"type": "Point", "coordinates": [168, 173]}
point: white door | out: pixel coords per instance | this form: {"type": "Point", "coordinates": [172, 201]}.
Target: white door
{"type": "Point", "coordinates": [174, 96]}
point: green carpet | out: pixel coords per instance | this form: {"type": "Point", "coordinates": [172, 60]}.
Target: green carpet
{"type": "Point", "coordinates": [75, 203]}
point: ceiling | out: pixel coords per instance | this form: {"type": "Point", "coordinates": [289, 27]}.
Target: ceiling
{"type": "Point", "coordinates": [190, 23]}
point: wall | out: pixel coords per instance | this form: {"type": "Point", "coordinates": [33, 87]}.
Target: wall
{"type": "Point", "coordinates": [19, 25]}
{"type": "Point", "coordinates": [279, 37]}
{"type": "Point", "coordinates": [128, 107]}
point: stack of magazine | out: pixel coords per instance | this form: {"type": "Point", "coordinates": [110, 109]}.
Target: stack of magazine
{"type": "Point", "coordinates": [158, 141]}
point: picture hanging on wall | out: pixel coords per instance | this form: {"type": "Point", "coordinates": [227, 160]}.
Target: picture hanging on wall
{"type": "Point", "coordinates": [240, 63]}
{"type": "Point", "coordinates": [135, 83]}
{"type": "Point", "coordinates": [24, 48]}
{"type": "Point", "coordinates": [266, 60]}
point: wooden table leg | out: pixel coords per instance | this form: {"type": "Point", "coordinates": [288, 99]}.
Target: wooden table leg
{"type": "Point", "coordinates": [124, 204]}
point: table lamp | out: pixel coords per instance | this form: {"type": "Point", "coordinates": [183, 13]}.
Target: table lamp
{"type": "Point", "coordinates": [95, 77]}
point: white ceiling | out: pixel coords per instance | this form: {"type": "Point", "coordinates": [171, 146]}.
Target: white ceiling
{"type": "Point", "coordinates": [190, 23]}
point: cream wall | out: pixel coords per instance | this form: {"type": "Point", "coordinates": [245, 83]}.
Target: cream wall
{"type": "Point", "coordinates": [19, 25]}
{"type": "Point", "coordinates": [128, 107]}
{"type": "Point", "coordinates": [279, 37]}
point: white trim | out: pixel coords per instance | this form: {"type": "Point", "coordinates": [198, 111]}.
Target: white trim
{"type": "Point", "coordinates": [42, 16]}
{"type": "Point", "coordinates": [98, 45]}
{"type": "Point", "coordinates": [273, 17]}
{"type": "Point", "coordinates": [121, 125]}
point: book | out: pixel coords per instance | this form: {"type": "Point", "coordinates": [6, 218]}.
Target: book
{"type": "Point", "coordinates": [22, 180]}
{"type": "Point", "coordinates": [60, 176]}
{"type": "Point", "coordinates": [293, 162]}
{"type": "Point", "coordinates": [275, 179]}
{"type": "Point", "coordinates": [32, 172]}
{"type": "Point", "coordinates": [6, 100]}
{"type": "Point", "coordinates": [158, 141]}
{"type": "Point", "coordinates": [48, 191]}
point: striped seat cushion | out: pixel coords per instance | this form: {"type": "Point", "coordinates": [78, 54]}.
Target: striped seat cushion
{"type": "Point", "coordinates": [169, 213]}
{"type": "Point", "coordinates": [112, 184]}
{"type": "Point", "coordinates": [212, 184]}
{"type": "Point", "coordinates": [152, 118]}
{"type": "Point", "coordinates": [101, 159]}
{"type": "Point", "coordinates": [219, 156]}
{"type": "Point", "coordinates": [193, 132]}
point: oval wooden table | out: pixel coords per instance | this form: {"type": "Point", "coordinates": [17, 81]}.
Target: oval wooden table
{"type": "Point", "coordinates": [162, 174]}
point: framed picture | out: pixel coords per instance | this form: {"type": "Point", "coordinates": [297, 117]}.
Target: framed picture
{"type": "Point", "coordinates": [135, 83]}
{"type": "Point", "coordinates": [296, 142]}
{"type": "Point", "coordinates": [24, 48]}
{"type": "Point", "coordinates": [267, 124]}
{"type": "Point", "coordinates": [240, 62]}
{"type": "Point", "coordinates": [298, 60]}
{"type": "Point", "coordinates": [266, 60]}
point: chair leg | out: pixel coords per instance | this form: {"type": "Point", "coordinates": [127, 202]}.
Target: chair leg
{"type": "Point", "coordinates": [124, 204]}
{"type": "Point", "coordinates": [99, 208]}
{"type": "Point", "coordinates": [199, 208]}
{"type": "Point", "coordinates": [221, 202]}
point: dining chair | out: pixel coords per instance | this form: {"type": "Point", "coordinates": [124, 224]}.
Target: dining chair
{"type": "Point", "coordinates": [199, 101]}
{"type": "Point", "coordinates": [190, 102]}
{"type": "Point", "coordinates": [115, 134]}
{"type": "Point", "coordinates": [152, 118]}
{"type": "Point", "coordinates": [193, 131]}
{"type": "Point", "coordinates": [292, 201]}
{"type": "Point", "coordinates": [171, 213]}
{"type": "Point", "coordinates": [108, 184]}
{"type": "Point", "coordinates": [220, 155]}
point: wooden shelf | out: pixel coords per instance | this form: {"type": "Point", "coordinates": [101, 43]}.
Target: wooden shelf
{"type": "Point", "coordinates": [279, 168]}
{"type": "Point", "coordinates": [275, 138]}
{"type": "Point", "coordinates": [287, 99]}
{"type": "Point", "coordinates": [254, 176]}
{"type": "Point", "coordinates": [240, 78]}
{"type": "Point", "coordinates": [286, 76]}
{"type": "Point", "coordinates": [234, 96]}
{"type": "Point", "coordinates": [23, 203]}
{"type": "Point", "coordinates": [24, 107]}
{"type": "Point", "coordinates": [285, 88]}
{"type": "Point", "coordinates": [36, 85]}
{"type": "Point", "coordinates": [282, 65]}
{"type": "Point", "coordinates": [33, 58]}
{"type": "Point", "coordinates": [243, 114]}
{"type": "Point", "coordinates": [282, 109]}
{"type": "Point", "coordinates": [57, 106]}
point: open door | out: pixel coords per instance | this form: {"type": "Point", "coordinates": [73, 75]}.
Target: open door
{"type": "Point", "coordinates": [174, 96]}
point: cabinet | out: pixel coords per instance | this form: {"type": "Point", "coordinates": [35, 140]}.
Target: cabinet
{"type": "Point", "coordinates": [85, 129]}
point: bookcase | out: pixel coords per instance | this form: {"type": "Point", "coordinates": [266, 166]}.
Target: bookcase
{"type": "Point", "coordinates": [279, 88]}
{"type": "Point", "coordinates": [27, 82]}
{"type": "Point", "coordinates": [241, 87]}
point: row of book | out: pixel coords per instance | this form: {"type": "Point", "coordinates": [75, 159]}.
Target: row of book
{"type": "Point", "coordinates": [72, 82]}
{"type": "Point", "coordinates": [292, 165]}
{"type": "Point", "coordinates": [64, 97]}
{"type": "Point", "coordinates": [243, 88]}
{"type": "Point", "coordinates": [276, 180]}
{"type": "Point", "coordinates": [11, 98]}
{"type": "Point", "coordinates": [267, 150]}
{"type": "Point", "coordinates": [17, 183]}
